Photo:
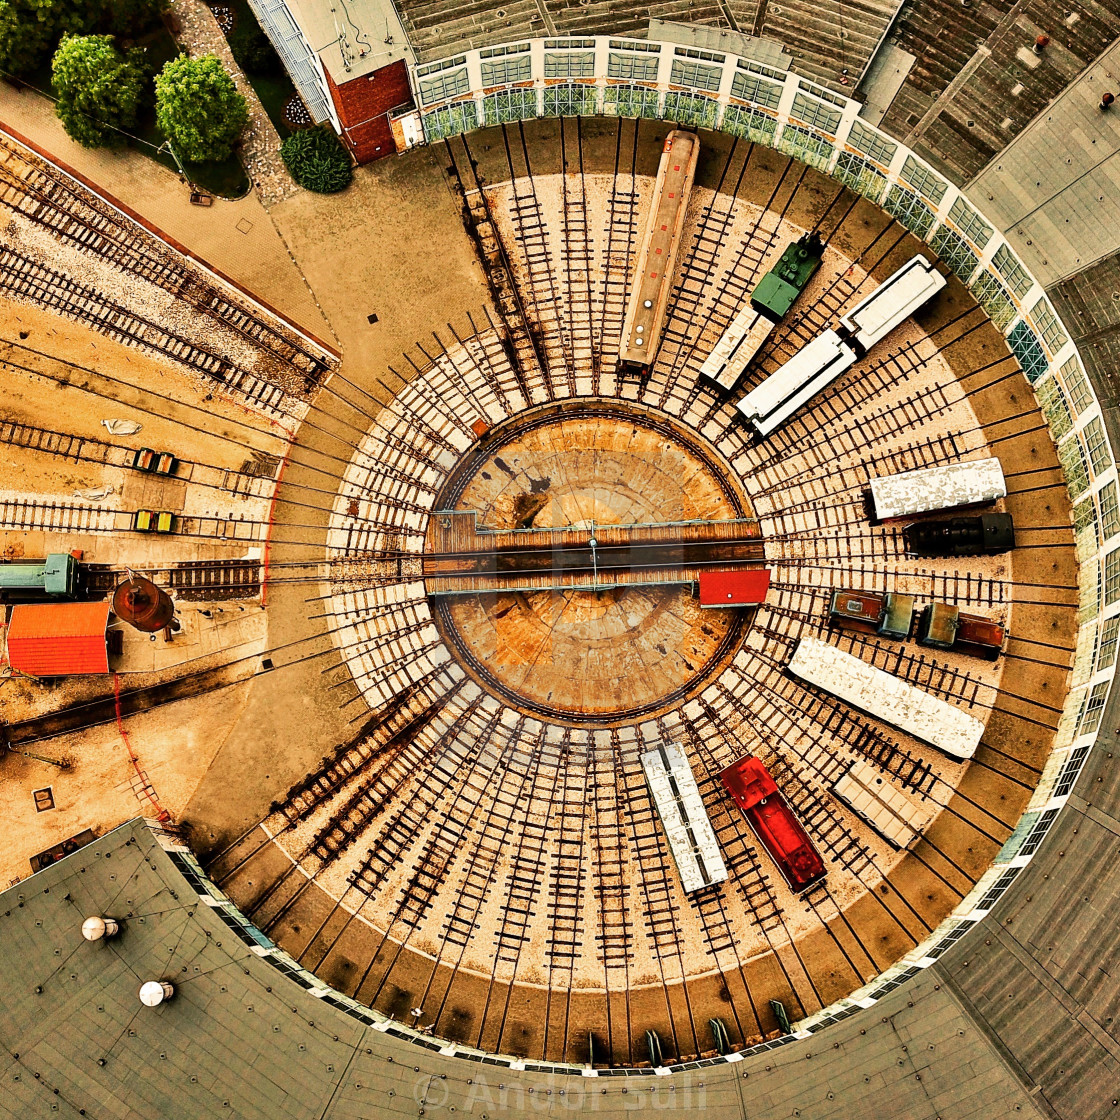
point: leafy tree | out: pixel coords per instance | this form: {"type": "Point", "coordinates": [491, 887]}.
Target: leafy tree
{"type": "Point", "coordinates": [128, 18]}
{"type": "Point", "coordinates": [68, 17]}
{"type": "Point", "coordinates": [199, 109]}
{"type": "Point", "coordinates": [254, 54]}
{"type": "Point", "coordinates": [29, 29]}
{"type": "Point", "coordinates": [25, 40]}
{"type": "Point", "coordinates": [99, 90]}
{"type": "Point", "coordinates": [317, 160]}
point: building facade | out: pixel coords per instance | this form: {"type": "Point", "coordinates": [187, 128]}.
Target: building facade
{"type": "Point", "coordinates": [350, 63]}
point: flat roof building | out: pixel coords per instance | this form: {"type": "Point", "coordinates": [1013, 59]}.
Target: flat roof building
{"type": "Point", "coordinates": [349, 60]}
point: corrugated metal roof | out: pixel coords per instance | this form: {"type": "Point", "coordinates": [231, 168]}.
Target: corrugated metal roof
{"type": "Point", "coordinates": [58, 639]}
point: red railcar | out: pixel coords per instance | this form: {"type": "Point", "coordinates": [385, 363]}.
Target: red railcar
{"type": "Point", "coordinates": [773, 822]}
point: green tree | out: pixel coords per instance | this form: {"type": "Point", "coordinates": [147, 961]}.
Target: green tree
{"type": "Point", "coordinates": [99, 90]}
{"type": "Point", "coordinates": [68, 17]}
{"type": "Point", "coordinates": [128, 18]}
{"type": "Point", "coordinates": [25, 40]}
{"type": "Point", "coordinates": [199, 109]}
{"type": "Point", "coordinates": [253, 52]}
{"type": "Point", "coordinates": [30, 29]}
{"type": "Point", "coordinates": [317, 160]}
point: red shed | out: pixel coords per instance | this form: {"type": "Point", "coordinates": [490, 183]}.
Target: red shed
{"type": "Point", "coordinates": [734, 589]}
{"type": "Point", "coordinates": [58, 639]}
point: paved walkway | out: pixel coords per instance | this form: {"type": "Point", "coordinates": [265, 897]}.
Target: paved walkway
{"type": "Point", "coordinates": [391, 246]}
{"type": "Point", "coordinates": [199, 35]}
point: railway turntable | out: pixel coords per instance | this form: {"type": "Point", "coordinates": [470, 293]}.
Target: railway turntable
{"type": "Point", "coordinates": [591, 728]}
{"type": "Point", "coordinates": [516, 607]}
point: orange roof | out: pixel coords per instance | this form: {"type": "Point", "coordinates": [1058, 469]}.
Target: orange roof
{"type": "Point", "coordinates": [58, 639]}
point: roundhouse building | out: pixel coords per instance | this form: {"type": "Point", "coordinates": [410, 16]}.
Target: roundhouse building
{"type": "Point", "coordinates": [375, 821]}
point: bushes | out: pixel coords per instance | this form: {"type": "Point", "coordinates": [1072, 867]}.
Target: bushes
{"type": "Point", "coordinates": [30, 29]}
{"type": "Point", "coordinates": [317, 160]}
{"type": "Point", "coordinates": [253, 52]}
{"type": "Point", "coordinates": [25, 42]}
{"type": "Point", "coordinates": [99, 90]}
{"type": "Point", "coordinates": [199, 109]}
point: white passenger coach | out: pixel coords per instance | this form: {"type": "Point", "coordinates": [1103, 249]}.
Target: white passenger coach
{"type": "Point", "coordinates": [887, 698]}
{"type": "Point", "coordinates": [935, 488]}
{"type": "Point", "coordinates": [818, 364]}
{"type": "Point", "coordinates": [898, 818]}
{"type": "Point", "coordinates": [686, 824]}
{"type": "Point", "coordinates": [795, 383]}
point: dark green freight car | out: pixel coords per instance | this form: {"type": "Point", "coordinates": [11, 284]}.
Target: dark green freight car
{"type": "Point", "coordinates": [777, 290]}
{"type": "Point", "coordinates": [771, 299]}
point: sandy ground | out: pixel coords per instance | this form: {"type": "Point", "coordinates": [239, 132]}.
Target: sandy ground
{"type": "Point", "coordinates": [236, 237]}
{"type": "Point", "coordinates": [61, 377]}
{"type": "Point", "coordinates": [99, 790]}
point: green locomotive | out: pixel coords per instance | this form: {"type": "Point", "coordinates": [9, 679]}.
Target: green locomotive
{"type": "Point", "coordinates": [56, 577]}
{"type": "Point", "coordinates": [776, 291]}
{"type": "Point", "coordinates": [772, 297]}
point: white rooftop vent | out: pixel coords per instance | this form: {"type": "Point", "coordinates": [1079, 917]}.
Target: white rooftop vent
{"type": "Point", "coordinates": [94, 929]}
{"type": "Point", "coordinates": [154, 992]}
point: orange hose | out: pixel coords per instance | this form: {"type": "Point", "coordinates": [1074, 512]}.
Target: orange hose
{"type": "Point", "coordinates": [146, 788]}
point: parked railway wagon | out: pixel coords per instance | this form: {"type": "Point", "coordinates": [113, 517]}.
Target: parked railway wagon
{"type": "Point", "coordinates": [772, 297]}
{"type": "Point", "coordinates": [897, 817]}
{"type": "Point", "coordinates": [984, 535]}
{"type": "Point", "coordinates": [773, 822]}
{"type": "Point", "coordinates": [681, 809]}
{"type": "Point", "coordinates": [892, 303]}
{"type": "Point", "coordinates": [657, 255]}
{"type": "Point", "coordinates": [887, 698]}
{"type": "Point", "coordinates": [59, 576]}
{"type": "Point", "coordinates": [943, 626]}
{"type": "Point", "coordinates": [931, 489]}
{"type": "Point", "coordinates": [886, 614]}
{"type": "Point", "coordinates": [826, 357]}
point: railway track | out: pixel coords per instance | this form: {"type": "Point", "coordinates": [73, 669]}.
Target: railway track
{"type": "Point", "coordinates": [29, 280]}
{"type": "Point", "coordinates": [105, 709]}
{"type": "Point", "coordinates": [25, 515]}
{"type": "Point", "coordinates": [44, 194]}
{"type": "Point", "coordinates": [190, 580]}
{"type": "Point", "coordinates": [257, 483]}
{"type": "Point", "coordinates": [507, 857]}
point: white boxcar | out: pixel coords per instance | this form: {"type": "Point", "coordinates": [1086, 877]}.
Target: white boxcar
{"type": "Point", "coordinates": [887, 698]}
{"type": "Point", "coordinates": [686, 824]}
{"type": "Point", "coordinates": [893, 301]}
{"type": "Point", "coordinates": [811, 369]}
{"type": "Point", "coordinates": [737, 345]}
{"type": "Point", "coordinates": [935, 488]}
{"type": "Point", "coordinates": [897, 817]}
